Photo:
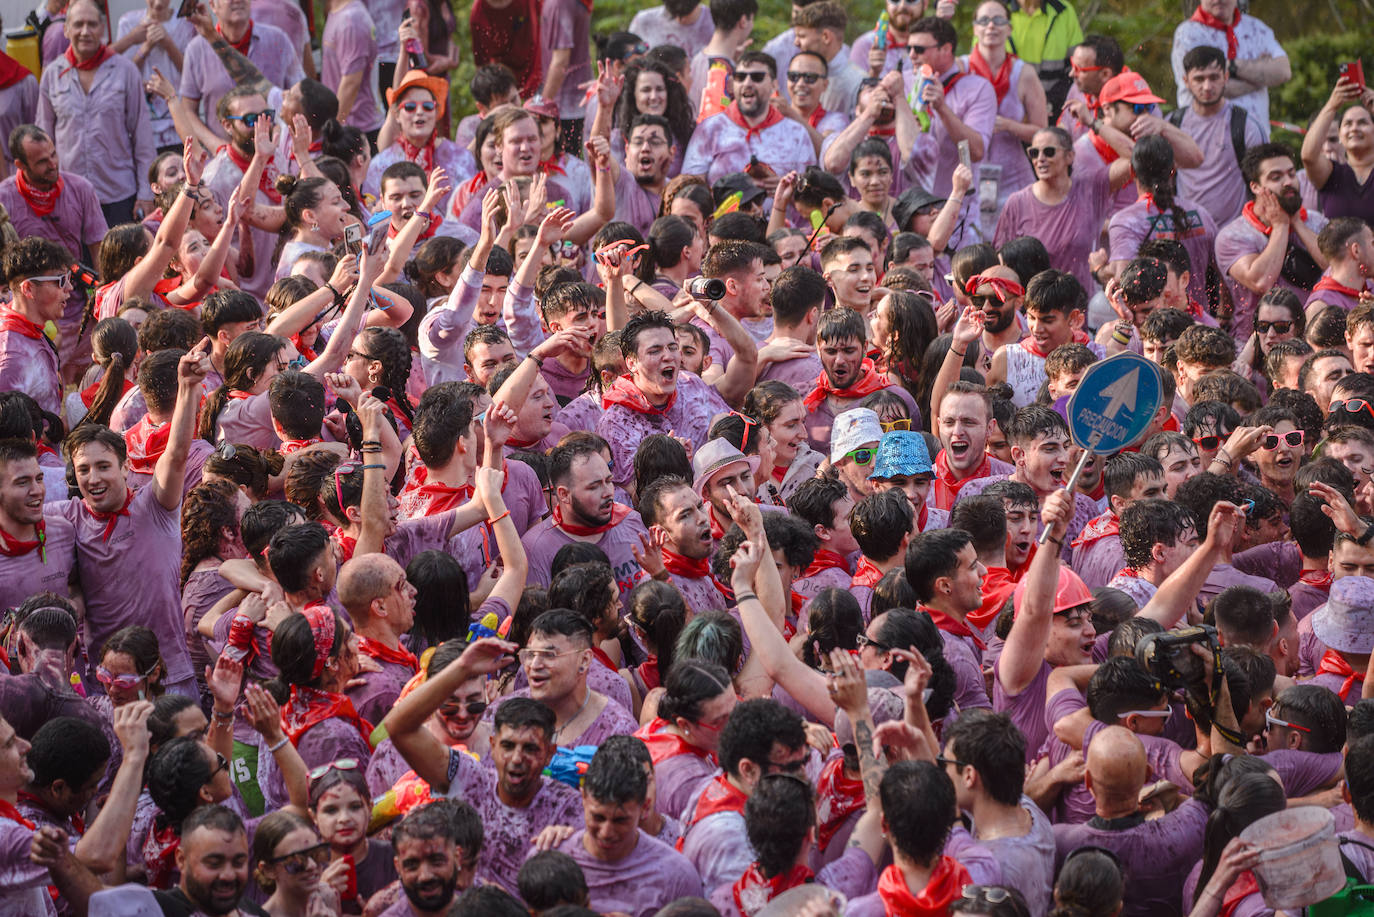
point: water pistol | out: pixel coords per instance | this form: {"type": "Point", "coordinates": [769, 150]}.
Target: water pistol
{"type": "Point", "coordinates": [880, 33]}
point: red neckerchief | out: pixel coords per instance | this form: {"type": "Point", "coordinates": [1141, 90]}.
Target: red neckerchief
{"type": "Point", "coordinates": [7, 810]}
{"type": "Point", "coordinates": [302, 348]}
{"type": "Point", "coordinates": [648, 672]}
{"type": "Point", "coordinates": [1001, 81]}
{"type": "Point", "coordinates": [110, 519]}
{"type": "Point", "coordinates": [422, 156]}
{"type": "Point", "coordinates": [13, 547]}
{"type": "Point", "coordinates": [753, 890]}
{"type": "Point", "coordinates": [421, 497]}
{"type": "Point", "coordinates": [814, 119]}
{"type": "Point", "coordinates": [431, 227]}
{"type": "Point", "coordinates": [866, 574]}
{"type": "Point", "coordinates": [951, 625]}
{"type": "Point", "coordinates": [946, 883]}
{"type": "Point", "coordinates": [1331, 283]}
{"type": "Point", "coordinates": [551, 167]}
{"type": "Point", "coordinates": [88, 393]}
{"type": "Point", "coordinates": [780, 473]}
{"type": "Point", "coordinates": [160, 856]}
{"type": "Point", "coordinates": [1248, 211]}
{"type": "Point", "coordinates": [347, 545]}
{"type": "Point", "coordinates": [1212, 22]}
{"type": "Point", "coordinates": [618, 513]}
{"type": "Point", "coordinates": [383, 653]}
{"type": "Point", "coordinates": [869, 381]}
{"type": "Point", "coordinates": [77, 823]}
{"type": "Point", "coordinates": [101, 55]}
{"type": "Point", "coordinates": [947, 486]}
{"type": "Point", "coordinates": [241, 45]}
{"type": "Point", "coordinates": [1333, 664]}
{"type": "Point", "coordinates": [19, 323]}
{"type": "Point", "coordinates": [998, 585]}
{"type": "Point", "coordinates": [1128, 572]}
{"type": "Point", "coordinates": [289, 446]}
{"type": "Point", "coordinates": [600, 656]}
{"type": "Point", "coordinates": [625, 393]}
{"type": "Point", "coordinates": [11, 71]}
{"type": "Point", "coordinates": [238, 394]}
{"type": "Point", "coordinates": [1244, 884]}
{"type": "Point", "coordinates": [1100, 527]}
{"type": "Point", "coordinates": [267, 181]}
{"type": "Point", "coordinates": [825, 559]}
{"type": "Point", "coordinates": [316, 147]}
{"type": "Point", "coordinates": [922, 516]}
{"type": "Point", "coordinates": [1104, 149]}
{"type": "Point", "coordinates": [771, 118]}
{"type": "Point", "coordinates": [145, 442]}
{"type": "Point", "coordinates": [719, 796]}
{"type": "Point", "coordinates": [664, 745]}
{"type": "Point", "coordinates": [837, 797]}
{"type": "Point", "coordinates": [1317, 579]}
{"type": "Point", "coordinates": [680, 565]}
{"type": "Point", "coordinates": [42, 203]}
{"type": "Point", "coordinates": [308, 706]}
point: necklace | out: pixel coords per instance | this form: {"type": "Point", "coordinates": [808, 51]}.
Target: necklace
{"type": "Point", "coordinates": [558, 733]}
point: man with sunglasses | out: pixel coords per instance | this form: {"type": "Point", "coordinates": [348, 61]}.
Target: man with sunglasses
{"type": "Point", "coordinates": [751, 130]}
{"type": "Point", "coordinates": [808, 78]}
{"type": "Point", "coordinates": [901, 16]}
{"type": "Point", "coordinates": [1092, 62]}
{"type": "Point", "coordinates": [37, 273]}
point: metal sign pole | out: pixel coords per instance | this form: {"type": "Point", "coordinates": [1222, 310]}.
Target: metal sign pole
{"type": "Point", "coordinates": [1072, 484]}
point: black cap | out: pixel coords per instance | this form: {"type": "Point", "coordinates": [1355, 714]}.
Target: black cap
{"type": "Point", "coordinates": [911, 202]}
{"type": "Point", "coordinates": [727, 185]}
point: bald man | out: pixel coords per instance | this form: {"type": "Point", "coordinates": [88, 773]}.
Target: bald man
{"type": "Point", "coordinates": [1155, 855]}
{"type": "Point", "coordinates": [373, 589]}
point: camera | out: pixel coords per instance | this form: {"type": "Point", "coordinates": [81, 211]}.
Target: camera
{"type": "Point", "coordinates": [706, 288]}
{"type": "Point", "coordinates": [1170, 659]}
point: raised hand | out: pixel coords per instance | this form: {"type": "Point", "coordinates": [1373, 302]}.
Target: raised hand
{"type": "Point", "coordinates": [552, 228]}
{"type": "Point", "coordinates": [968, 328]}
{"type": "Point", "coordinates": [439, 185]}
{"type": "Point", "coordinates": [345, 273]}
{"type": "Point", "coordinates": [499, 423]}
{"type": "Point", "coordinates": [649, 553]}
{"type": "Point", "coordinates": [896, 741]}
{"type": "Point", "coordinates": [193, 367]}
{"type": "Point", "coordinates": [131, 727]}
{"type": "Point", "coordinates": [744, 563]}
{"type": "Point", "coordinates": [491, 208]}
{"type": "Point", "coordinates": [193, 160]}
{"type": "Point", "coordinates": [344, 386]}
{"type": "Point", "coordinates": [846, 684]}
{"type": "Point", "coordinates": [223, 680]}
{"type": "Point", "coordinates": [487, 655]}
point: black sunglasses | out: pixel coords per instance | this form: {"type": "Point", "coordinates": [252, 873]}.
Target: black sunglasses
{"type": "Point", "coordinates": [743, 76]}
{"type": "Point", "coordinates": [1279, 327]}
{"type": "Point", "coordinates": [1035, 152]}
{"type": "Point", "coordinates": [917, 50]}
{"type": "Point", "coordinates": [810, 79]}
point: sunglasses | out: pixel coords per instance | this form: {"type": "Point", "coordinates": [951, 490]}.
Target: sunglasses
{"type": "Point", "coordinates": [252, 117]}
{"type": "Point", "coordinates": [63, 281]}
{"type": "Point", "coordinates": [864, 640]}
{"type": "Point", "coordinates": [1270, 721]}
{"type": "Point", "coordinates": [992, 894]}
{"type": "Point", "coordinates": [1210, 443]}
{"type": "Point", "coordinates": [226, 451]}
{"type": "Point", "coordinates": [1292, 438]}
{"type": "Point", "coordinates": [299, 861]}
{"type": "Point", "coordinates": [749, 424]}
{"type": "Point", "coordinates": [343, 764]}
{"type": "Point", "coordinates": [903, 423]}
{"type": "Point", "coordinates": [745, 76]}
{"type": "Point", "coordinates": [810, 79]}
{"type": "Point", "coordinates": [120, 682]}
{"type": "Point", "coordinates": [1279, 327]}
{"type": "Point", "coordinates": [1035, 152]}
{"type": "Point", "coordinates": [861, 456]}
{"type": "Point", "coordinates": [918, 50]}
{"type": "Point", "coordinates": [1351, 406]}
{"type": "Point", "coordinates": [411, 107]}
{"type": "Point", "coordinates": [1141, 108]}
{"type": "Point", "coordinates": [471, 708]}
{"type": "Point", "coordinates": [999, 21]}
{"type": "Point", "coordinates": [221, 764]}
{"type": "Point", "coordinates": [942, 761]}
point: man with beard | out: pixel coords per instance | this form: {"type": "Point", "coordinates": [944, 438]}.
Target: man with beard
{"type": "Point", "coordinates": [585, 510]}
{"type": "Point", "coordinates": [43, 201]}
{"type": "Point", "coordinates": [808, 77]}
{"type": "Point", "coordinates": [998, 293]}
{"type": "Point", "coordinates": [963, 420]}
{"type": "Point", "coordinates": [373, 589]}
{"type": "Point", "coordinates": [511, 794]}
{"type": "Point", "coordinates": [847, 375]}
{"type": "Point", "coordinates": [751, 128]}
{"type": "Point", "coordinates": [900, 18]}
{"type": "Point", "coordinates": [213, 860]}
{"type": "Point", "coordinates": [670, 507]}
{"type": "Point", "coordinates": [1221, 128]}
{"type": "Point", "coordinates": [251, 151]}
{"type": "Point", "coordinates": [649, 153]}
{"type": "Point", "coordinates": [1347, 245]}
{"type": "Point", "coordinates": [654, 396]}
{"type": "Point", "coordinates": [436, 850]}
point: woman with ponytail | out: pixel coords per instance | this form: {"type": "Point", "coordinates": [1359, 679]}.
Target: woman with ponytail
{"type": "Point", "coordinates": [246, 468]}
{"type": "Point", "coordinates": [209, 536]}
{"type": "Point", "coordinates": [657, 616]}
{"type": "Point", "coordinates": [316, 216]}
{"type": "Point", "coordinates": [683, 738]}
{"type": "Point", "coordinates": [114, 347]}
{"type": "Point", "coordinates": [351, 147]}
{"type": "Point", "coordinates": [674, 255]}
{"type": "Point", "coordinates": [1223, 882]}
{"type": "Point", "coordinates": [1161, 214]}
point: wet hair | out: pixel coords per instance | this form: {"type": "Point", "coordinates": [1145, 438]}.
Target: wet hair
{"type": "Point", "coordinates": [261, 521]}
{"type": "Point", "coordinates": [690, 683]}
{"type": "Point", "coordinates": [918, 805]}
{"type": "Point", "coordinates": [449, 819]}
{"type": "Point", "coordinates": [1327, 328]}
{"type": "Point", "coordinates": [754, 728]}
{"type": "Point", "coordinates": [487, 901]}
{"type": "Point", "coordinates": [293, 551]}
{"type": "Point", "coordinates": [834, 621]}
{"type": "Point", "coordinates": [983, 518]}
{"type": "Point", "coordinates": [333, 777]}
{"type": "Point", "coordinates": [1027, 255]}
{"type": "Point", "coordinates": [294, 654]}
{"type": "Point", "coordinates": [523, 713]}
{"type": "Point", "coordinates": [668, 239]}
{"type": "Point", "coordinates": [117, 342]}
{"type": "Point", "coordinates": [437, 255]}
{"type": "Point", "coordinates": [1320, 710]}
{"type": "Point", "coordinates": [274, 828]}
{"type": "Point", "coordinates": [586, 589]}
{"type": "Point", "coordinates": [615, 774]}
{"type": "Point", "coordinates": [778, 815]}
{"type": "Point", "coordinates": [932, 555]}
{"type": "Point", "coordinates": [175, 774]}
{"type": "Point", "coordinates": [69, 749]}
{"type": "Point", "coordinates": [892, 591]}
{"type": "Point", "coordinates": [880, 521]}
{"type": "Point", "coordinates": [139, 644]}
{"type": "Point", "coordinates": [660, 455]}
{"type": "Point", "coordinates": [1146, 523]}
{"type": "Point", "coordinates": [550, 878]}
{"type": "Point", "coordinates": [1090, 884]}
{"type": "Point", "coordinates": [244, 363]}
{"type": "Point", "coordinates": [905, 628]}
{"type": "Point", "coordinates": [342, 141]}
{"type": "Point", "coordinates": [442, 603]}
{"type": "Point", "coordinates": [1055, 291]}
{"type": "Point", "coordinates": [1359, 772]}
{"type": "Point", "coordinates": [206, 512]}
{"type": "Point", "coordinates": [1242, 801]}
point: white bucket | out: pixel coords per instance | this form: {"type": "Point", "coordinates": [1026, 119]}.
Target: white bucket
{"type": "Point", "coordinates": [1300, 860]}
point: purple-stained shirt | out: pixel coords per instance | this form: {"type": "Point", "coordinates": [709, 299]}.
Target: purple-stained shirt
{"type": "Point", "coordinates": [248, 421]}
{"type": "Point", "coordinates": [809, 587]}
{"type": "Point", "coordinates": [679, 779]}
{"type": "Point", "coordinates": [821, 418]}
{"type": "Point", "coordinates": [566, 25]}
{"type": "Point", "coordinates": [689, 417]}
{"type": "Point", "coordinates": [18, 105]}
{"type": "Point", "coordinates": [1307, 599]}
{"type": "Point", "coordinates": [970, 690]}
{"type": "Point", "coordinates": [202, 590]}
{"type": "Point", "coordinates": [349, 47]}
{"type": "Point", "coordinates": [287, 17]}
{"type": "Point", "coordinates": [1226, 575]}
{"type": "Point", "coordinates": [1099, 560]}
{"type": "Point", "coordinates": [30, 366]}
{"type": "Point", "coordinates": [76, 223]}
{"type": "Point", "coordinates": [651, 877]}
{"type": "Point", "coordinates": [1087, 159]}
{"type": "Point", "coordinates": [543, 541]}
{"type": "Point", "coordinates": [222, 177]}
{"type": "Point", "coordinates": [719, 147]}
{"type": "Point", "coordinates": [1304, 771]}
{"type": "Point", "coordinates": [105, 134]}
{"type": "Point", "coordinates": [1131, 226]}
{"type": "Point", "coordinates": [204, 78]}
{"type": "Point", "coordinates": [1155, 855]}
{"type": "Point", "coordinates": [1006, 149]}
{"type": "Point", "coordinates": [972, 100]}
{"type": "Point", "coordinates": [23, 885]}
{"type": "Point", "coordinates": [508, 831]}
{"type": "Point", "coordinates": [1310, 649]}
{"type": "Point", "coordinates": [799, 372]}
{"type": "Point", "coordinates": [195, 465]}
{"type": "Point", "coordinates": [563, 383]}
{"type": "Point", "coordinates": [1217, 184]}
{"type": "Point", "coordinates": [325, 742]}
{"type": "Point", "coordinates": [28, 700]}
{"type": "Point", "coordinates": [699, 593]}
{"type": "Point", "coordinates": [658, 27]}
{"type": "Point", "coordinates": [379, 690]}
{"type": "Point", "coordinates": [1253, 39]}
{"type": "Point", "coordinates": [1332, 297]}
{"type": "Point", "coordinates": [1344, 195]}
{"type": "Point", "coordinates": [1359, 847]}
{"type": "Point", "coordinates": [1240, 238]}
{"type": "Point", "coordinates": [852, 875]}
{"type": "Point", "coordinates": [1279, 561]}
{"type": "Point", "coordinates": [1069, 229]}
{"type": "Point", "coordinates": [456, 162]}
{"type": "Point", "coordinates": [717, 845]}
{"type": "Point", "coordinates": [1026, 709]}
{"type": "Point", "coordinates": [581, 413]}
{"type": "Point", "coordinates": [634, 203]}
{"type": "Point", "coordinates": [133, 576]}
{"type": "Point", "coordinates": [181, 31]}
{"type": "Point", "coordinates": [1027, 860]}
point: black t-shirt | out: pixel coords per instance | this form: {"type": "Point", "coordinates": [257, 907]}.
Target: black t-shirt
{"type": "Point", "coordinates": [174, 903]}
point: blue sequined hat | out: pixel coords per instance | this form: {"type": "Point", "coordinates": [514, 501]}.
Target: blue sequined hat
{"type": "Point", "coordinates": [901, 452]}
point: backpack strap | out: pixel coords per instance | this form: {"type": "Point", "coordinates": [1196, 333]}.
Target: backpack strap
{"type": "Point", "coordinates": [1351, 870]}
{"type": "Point", "coordinates": [1238, 117]}
{"type": "Point", "coordinates": [1175, 117]}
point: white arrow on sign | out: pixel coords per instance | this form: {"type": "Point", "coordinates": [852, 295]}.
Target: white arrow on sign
{"type": "Point", "coordinates": [1121, 393]}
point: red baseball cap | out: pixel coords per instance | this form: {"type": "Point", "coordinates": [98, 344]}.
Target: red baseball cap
{"type": "Point", "coordinates": [1127, 86]}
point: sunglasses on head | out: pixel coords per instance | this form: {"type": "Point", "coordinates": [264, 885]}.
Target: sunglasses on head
{"type": "Point", "coordinates": [252, 117]}
{"type": "Point", "coordinates": [299, 861]}
{"type": "Point", "coordinates": [1270, 721]}
{"type": "Point", "coordinates": [1292, 438]}
{"type": "Point", "coordinates": [1279, 327]}
{"type": "Point", "coordinates": [1035, 152]}
{"type": "Point", "coordinates": [412, 107]}
{"type": "Point", "coordinates": [810, 79]}
{"type": "Point", "coordinates": [1351, 406]}
{"type": "Point", "coordinates": [343, 764]}
{"type": "Point", "coordinates": [744, 76]}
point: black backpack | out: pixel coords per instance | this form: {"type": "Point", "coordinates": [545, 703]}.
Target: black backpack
{"type": "Point", "coordinates": [1237, 127]}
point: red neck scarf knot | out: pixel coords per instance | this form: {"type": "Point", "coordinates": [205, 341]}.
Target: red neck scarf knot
{"type": "Point", "coordinates": [825, 559]}
{"type": "Point", "coordinates": [15, 547]}
{"type": "Point", "coordinates": [867, 574]}
{"type": "Point", "coordinates": [111, 519]}
{"type": "Point", "coordinates": [242, 44]}
{"type": "Point", "coordinates": [1212, 22]}
{"type": "Point", "coordinates": [946, 883]}
{"type": "Point", "coordinates": [1334, 664]}
{"type": "Point", "coordinates": [42, 203]}
{"type": "Point", "coordinates": [99, 57]}
{"type": "Point", "coordinates": [1001, 80]}
{"type": "Point", "coordinates": [680, 565]}
{"type": "Point", "coordinates": [618, 513]}
{"type": "Point", "coordinates": [145, 442]}
{"type": "Point", "coordinates": [869, 381]}
{"type": "Point", "coordinates": [625, 393]}
{"type": "Point", "coordinates": [422, 156]}
{"type": "Point", "coordinates": [383, 653]}
{"type": "Point", "coordinates": [752, 891]}
{"type": "Point", "coordinates": [1248, 211]}
{"type": "Point", "coordinates": [753, 131]}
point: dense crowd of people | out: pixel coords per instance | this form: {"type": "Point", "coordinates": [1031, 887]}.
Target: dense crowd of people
{"type": "Point", "coordinates": [654, 494]}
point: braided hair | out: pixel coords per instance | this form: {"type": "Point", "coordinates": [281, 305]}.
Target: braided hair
{"type": "Point", "coordinates": [388, 346]}
{"type": "Point", "coordinates": [1157, 174]}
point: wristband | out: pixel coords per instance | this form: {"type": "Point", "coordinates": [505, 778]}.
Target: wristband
{"type": "Point", "coordinates": [504, 515]}
{"type": "Point", "coordinates": [958, 353]}
{"type": "Point", "coordinates": [223, 717]}
{"type": "Point", "coordinates": [537, 361]}
{"type": "Point", "coordinates": [1121, 338]}
{"type": "Point", "coordinates": [370, 442]}
{"type": "Point", "coordinates": [744, 597]}
{"type": "Point", "coordinates": [426, 214]}
{"type": "Point", "coordinates": [1368, 534]}
{"type": "Point", "coordinates": [279, 746]}
{"type": "Point", "coordinates": [375, 465]}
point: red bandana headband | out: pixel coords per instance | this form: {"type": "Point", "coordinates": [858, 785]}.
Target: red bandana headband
{"type": "Point", "coordinates": [1005, 289]}
{"type": "Point", "coordinates": [322, 625]}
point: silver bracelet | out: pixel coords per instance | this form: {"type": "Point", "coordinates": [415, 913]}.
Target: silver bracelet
{"type": "Point", "coordinates": [275, 748]}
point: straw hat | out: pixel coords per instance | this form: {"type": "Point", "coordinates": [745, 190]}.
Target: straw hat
{"type": "Point", "coordinates": [713, 458]}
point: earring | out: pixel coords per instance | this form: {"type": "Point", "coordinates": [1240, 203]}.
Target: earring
{"type": "Point", "coordinates": [315, 227]}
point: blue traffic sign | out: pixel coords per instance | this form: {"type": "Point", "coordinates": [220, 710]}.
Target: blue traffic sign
{"type": "Point", "coordinates": [1115, 402]}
